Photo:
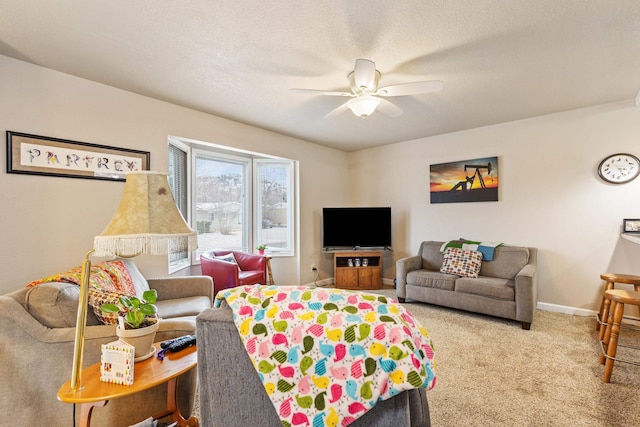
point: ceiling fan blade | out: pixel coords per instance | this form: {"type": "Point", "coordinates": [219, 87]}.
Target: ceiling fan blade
{"type": "Point", "coordinates": [364, 74]}
{"type": "Point", "coordinates": [336, 111]}
{"type": "Point", "coordinates": [321, 92]}
{"type": "Point", "coordinates": [389, 109]}
{"type": "Point", "coordinates": [411, 88]}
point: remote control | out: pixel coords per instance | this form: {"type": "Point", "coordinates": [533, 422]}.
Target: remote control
{"type": "Point", "coordinates": [182, 343]}
{"type": "Point", "coordinates": [167, 343]}
{"type": "Point", "coordinates": [176, 345]}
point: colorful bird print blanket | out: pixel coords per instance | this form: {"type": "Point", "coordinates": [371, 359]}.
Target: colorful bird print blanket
{"type": "Point", "coordinates": [326, 356]}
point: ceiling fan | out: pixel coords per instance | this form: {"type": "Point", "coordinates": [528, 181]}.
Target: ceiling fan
{"type": "Point", "coordinates": [365, 94]}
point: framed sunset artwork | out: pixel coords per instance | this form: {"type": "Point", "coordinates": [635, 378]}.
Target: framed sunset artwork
{"type": "Point", "coordinates": [474, 180]}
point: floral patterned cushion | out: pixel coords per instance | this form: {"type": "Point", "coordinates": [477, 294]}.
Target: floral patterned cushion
{"type": "Point", "coordinates": [110, 276]}
{"type": "Point", "coordinates": [107, 282]}
{"type": "Point", "coordinates": [98, 297]}
{"type": "Point", "coordinates": [461, 262]}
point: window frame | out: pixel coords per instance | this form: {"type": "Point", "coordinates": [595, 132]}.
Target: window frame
{"type": "Point", "coordinates": [291, 207]}
{"type": "Point", "coordinates": [247, 204]}
{"type": "Point", "coordinates": [254, 159]}
{"type": "Point", "coordinates": [180, 263]}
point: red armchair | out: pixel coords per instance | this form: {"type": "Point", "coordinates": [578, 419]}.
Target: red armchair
{"type": "Point", "coordinates": [250, 269]}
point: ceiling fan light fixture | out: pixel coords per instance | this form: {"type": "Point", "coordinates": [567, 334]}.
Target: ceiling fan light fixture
{"type": "Point", "coordinates": [366, 96]}
{"type": "Point", "coordinates": [364, 105]}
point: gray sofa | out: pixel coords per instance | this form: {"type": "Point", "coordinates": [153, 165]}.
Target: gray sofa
{"type": "Point", "coordinates": [37, 329]}
{"type": "Point", "coordinates": [232, 395]}
{"type": "Point", "coordinates": [506, 287]}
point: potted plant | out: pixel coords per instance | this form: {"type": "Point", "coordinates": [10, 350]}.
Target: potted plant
{"type": "Point", "coordinates": [139, 324]}
{"type": "Point", "coordinates": [261, 249]}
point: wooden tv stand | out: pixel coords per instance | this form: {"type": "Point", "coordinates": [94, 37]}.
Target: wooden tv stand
{"type": "Point", "coordinates": [357, 277]}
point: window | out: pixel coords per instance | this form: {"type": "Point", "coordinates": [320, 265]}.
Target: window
{"type": "Point", "coordinates": [274, 211]}
{"type": "Point", "coordinates": [221, 205]}
{"type": "Point", "coordinates": [178, 178]}
{"type": "Point", "coordinates": [237, 200]}
{"type": "Point", "coordinates": [178, 181]}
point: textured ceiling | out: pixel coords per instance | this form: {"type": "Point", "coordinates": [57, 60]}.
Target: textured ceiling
{"type": "Point", "coordinates": [500, 60]}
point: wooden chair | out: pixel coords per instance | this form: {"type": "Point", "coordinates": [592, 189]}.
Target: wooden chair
{"type": "Point", "coordinates": [610, 330]}
{"type": "Point", "coordinates": [610, 280]}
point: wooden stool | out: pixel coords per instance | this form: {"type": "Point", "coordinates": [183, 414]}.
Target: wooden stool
{"type": "Point", "coordinates": [611, 279]}
{"type": "Point", "coordinates": [610, 331]}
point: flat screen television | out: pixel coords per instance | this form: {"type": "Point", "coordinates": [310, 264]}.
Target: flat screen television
{"type": "Point", "coordinates": [368, 227]}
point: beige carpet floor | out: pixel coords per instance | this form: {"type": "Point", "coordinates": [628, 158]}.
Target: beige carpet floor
{"type": "Point", "coordinates": [490, 372]}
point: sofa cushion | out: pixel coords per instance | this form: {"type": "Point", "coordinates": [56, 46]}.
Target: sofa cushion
{"type": "Point", "coordinates": [55, 305]}
{"type": "Point", "coordinates": [491, 287]}
{"type": "Point", "coordinates": [431, 255]}
{"type": "Point", "coordinates": [53, 300]}
{"type": "Point", "coordinates": [485, 248]}
{"type": "Point", "coordinates": [98, 297]}
{"type": "Point", "coordinates": [431, 279]}
{"type": "Point", "coordinates": [140, 284]}
{"type": "Point", "coordinates": [461, 262]}
{"type": "Point", "coordinates": [507, 262]}
{"type": "Point", "coordinates": [188, 306]}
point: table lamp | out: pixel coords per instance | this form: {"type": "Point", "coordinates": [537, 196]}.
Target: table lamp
{"type": "Point", "coordinates": [147, 221]}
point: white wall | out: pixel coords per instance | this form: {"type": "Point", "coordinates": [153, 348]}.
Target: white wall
{"type": "Point", "coordinates": [47, 224]}
{"type": "Point", "coordinates": [550, 195]}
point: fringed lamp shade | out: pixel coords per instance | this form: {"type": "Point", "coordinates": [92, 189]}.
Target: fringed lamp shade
{"type": "Point", "coordinates": [147, 220]}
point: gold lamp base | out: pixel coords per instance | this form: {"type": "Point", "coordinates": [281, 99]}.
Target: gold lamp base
{"type": "Point", "coordinates": [81, 323]}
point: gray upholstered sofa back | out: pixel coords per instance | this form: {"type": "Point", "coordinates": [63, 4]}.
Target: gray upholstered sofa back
{"type": "Point", "coordinates": [507, 260]}
{"type": "Point", "coordinates": [232, 395]}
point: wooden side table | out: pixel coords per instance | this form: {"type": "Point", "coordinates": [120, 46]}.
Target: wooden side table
{"type": "Point", "coordinates": [268, 257]}
{"type": "Point", "coordinates": [147, 374]}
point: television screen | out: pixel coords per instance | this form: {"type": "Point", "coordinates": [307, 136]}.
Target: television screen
{"type": "Point", "coordinates": [356, 227]}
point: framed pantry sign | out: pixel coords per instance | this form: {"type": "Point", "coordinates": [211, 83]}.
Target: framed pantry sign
{"type": "Point", "coordinates": [42, 155]}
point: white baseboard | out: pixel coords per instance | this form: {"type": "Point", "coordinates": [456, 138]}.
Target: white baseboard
{"type": "Point", "coordinates": [565, 309]}
{"type": "Point", "coordinates": [580, 312]}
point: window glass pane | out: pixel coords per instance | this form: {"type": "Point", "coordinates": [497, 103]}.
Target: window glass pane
{"type": "Point", "coordinates": [220, 206]}
{"type": "Point", "coordinates": [177, 177]}
{"type": "Point", "coordinates": [274, 206]}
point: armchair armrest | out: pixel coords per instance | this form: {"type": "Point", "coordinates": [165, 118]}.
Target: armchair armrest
{"type": "Point", "coordinates": [404, 266]}
{"type": "Point", "coordinates": [182, 287]}
{"type": "Point", "coordinates": [526, 289]}
{"type": "Point", "coordinates": [23, 329]}
{"type": "Point", "coordinates": [223, 273]}
{"type": "Point", "coordinates": [250, 262]}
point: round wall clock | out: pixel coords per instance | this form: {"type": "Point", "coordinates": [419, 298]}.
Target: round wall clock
{"type": "Point", "coordinates": [619, 168]}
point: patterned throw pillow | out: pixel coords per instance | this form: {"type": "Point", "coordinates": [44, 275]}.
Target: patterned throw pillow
{"type": "Point", "coordinates": [98, 297]}
{"type": "Point", "coordinates": [109, 276]}
{"type": "Point", "coordinates": [461, 262]}
{"type": "Point", "coordinates": [228, 258]}
{"type": "Point", "coordinates": [107, 282]}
